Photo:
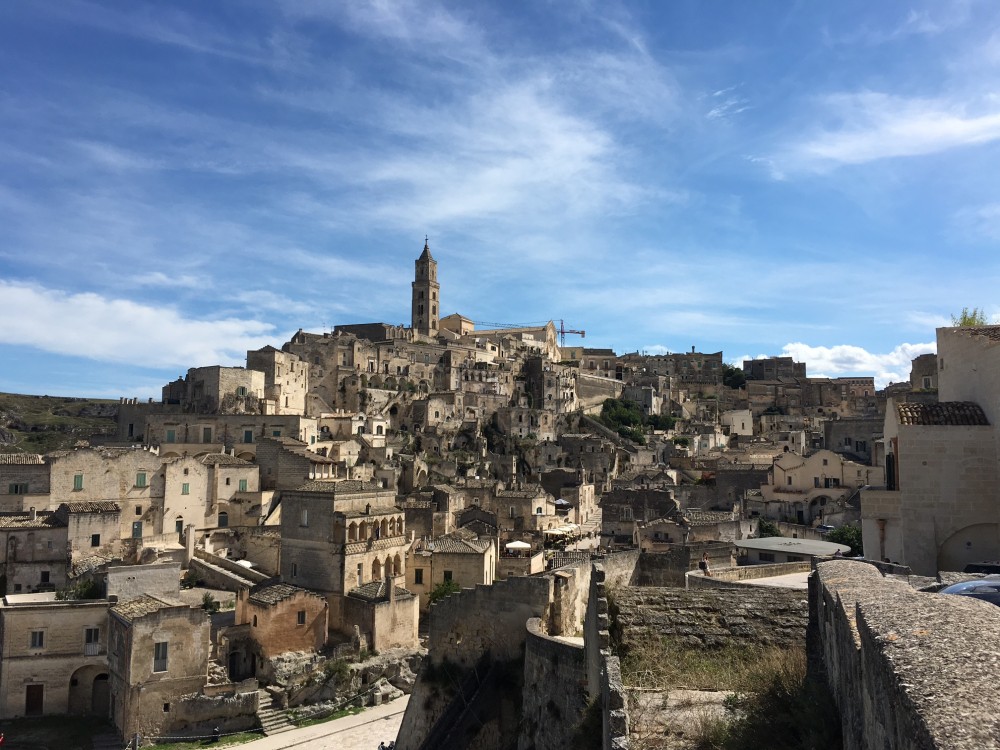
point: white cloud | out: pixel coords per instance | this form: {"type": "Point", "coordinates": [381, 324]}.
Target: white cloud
{"type": "Point", "coordinates": [872, 126]}
{"type": "Point", "coordinates": [846, 360]}
{"type": "Point", "coordinates": [117, 330]}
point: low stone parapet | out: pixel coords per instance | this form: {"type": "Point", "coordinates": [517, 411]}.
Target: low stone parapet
{"type": "Point", "coordinates": [908, 670]}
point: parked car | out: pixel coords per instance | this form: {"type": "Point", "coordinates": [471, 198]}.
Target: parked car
{"type": "Point", "coordinates": [987, 589]}
{"type": "Point", "coordinates": [825, 529]}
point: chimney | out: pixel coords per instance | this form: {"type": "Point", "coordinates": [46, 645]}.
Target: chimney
{"type": "Point", "coordinates": [34, 513]}
{"type": "Point", "coordinates": [692, 350]}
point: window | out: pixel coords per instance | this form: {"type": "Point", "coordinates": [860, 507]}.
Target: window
{"type": "Point", "coordinates": [304, 517]}
{"type": "Point", "coordinates": [95, 540]}
{"type": "Point", "coordinates": [295, 570]}
{"type": "Point", "coordinates": [512, 511]}
{"type": "Point", "coordinates": [361, 573]}
{"type": "Point", "coordinates": [140, 479]}
{"type": "Point", "coordinates": [18, 488]}
{"type": "Point", "coordinates": [418, 576]}
{"type": "Point", "coordinates": [185, 489]}
{"type": "Point", "coordinates": [447, 575]}
{"type": "Point", "coordinates": [91, 641]}
{"type": "Point", "coordinates": [171, 436]}
{"type": "Point", "coordinates": [275, 433]}
{"type": "Point", "coordinates": [229, 481]}
{"type": "Point", "coordinates": [538, 511]}
{"type": "Point", "coordinates": [241, 391]}
{"type": "Point", "coordinates": [138, 510]}
{"type": "Point", "coordinates": [247, 436]}
{"type": "Point", "coordinates": [206, 434]}
{"type": "Point", "coordinates": [766, 556]}
{"type": "Point", "coordinates": [815, 481]}
{"type": "Point", "coordinates": [160, 656]}
{"type": "Point", "coordinates": [243, 485]}
{"type": "Point", "coordinates": [825, 462]}
{"type": "Point", "coordinates": [789, 481]}
{"type": "Point", "coordinates": [255, 620]}
{"type": "Point", "coordinates": [37, 638]}
{"type": "Point", "coordinates": [45, 576]}
{"type": "Point", "coordinates": [223, 519]}
{"type": "Point", "coordinates": [78, 482]}
{"type": "Point", "coordinates": [166, 708]}
{"type": "Point", "coordinates": [186, 471]}
{"type": "Point", "coordinates": [300, 617]}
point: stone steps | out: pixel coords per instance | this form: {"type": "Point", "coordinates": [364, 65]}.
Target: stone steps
{"type": "Point", "coordinates": [273, 719]}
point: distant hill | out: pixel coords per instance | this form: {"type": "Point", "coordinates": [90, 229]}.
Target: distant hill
{"type": "Point", "coordinates": [39, 424]}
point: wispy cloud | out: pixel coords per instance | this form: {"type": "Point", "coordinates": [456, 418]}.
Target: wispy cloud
{"type": "Point", "coordinates": [872, 126]}
{"type": "Point", "coordinates": [117, 330]}
{"type": "Point", "coordinates": [980, 222]}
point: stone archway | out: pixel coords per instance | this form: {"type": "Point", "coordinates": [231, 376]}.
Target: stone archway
{"type": "Point", "coordinates": [89, 691]}
{"type": "Point", "coordinates": [974, 543]}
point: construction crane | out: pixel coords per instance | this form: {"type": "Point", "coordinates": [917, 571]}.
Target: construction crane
{"type": "Point", "coordinates": [563, 331]}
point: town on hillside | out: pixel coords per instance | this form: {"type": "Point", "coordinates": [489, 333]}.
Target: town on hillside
{"type": "Point", "coordinates": [517, 531]}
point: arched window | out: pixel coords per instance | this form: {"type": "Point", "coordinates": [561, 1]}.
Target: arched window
{"type": "Point", "coordinates": [223, 519]}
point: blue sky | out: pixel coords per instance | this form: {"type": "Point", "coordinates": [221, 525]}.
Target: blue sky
{"type": "Point", "coordinates": [181, 182]}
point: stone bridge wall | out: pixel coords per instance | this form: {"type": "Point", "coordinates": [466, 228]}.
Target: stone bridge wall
{"type": "Point", "coordinates": [733, 577]}
{"type": "Point", "coordinates": [908, 670]}
{"type": "Point", "coordinates": [604, 680]}
{"type": "Point", "coordinates": [555, 690]}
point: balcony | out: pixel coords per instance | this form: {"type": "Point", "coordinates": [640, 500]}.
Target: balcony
{"type": "Point", "coordinates": [92, 649]}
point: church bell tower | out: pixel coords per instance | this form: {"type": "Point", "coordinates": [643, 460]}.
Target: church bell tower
{"type": "Point", "coordinates": [426, 295]}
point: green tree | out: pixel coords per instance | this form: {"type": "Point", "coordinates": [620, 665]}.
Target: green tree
{"type": "Point", "coordinates": [973, 318]}
{"type": "Point", "coordinates": [850, 535]}
{"type": "Point", "coordinates": [733, 377]}
{"type": "Point", "coordinates": [766, 528]}
{"type": "Point", "coordinates": [443, 589]}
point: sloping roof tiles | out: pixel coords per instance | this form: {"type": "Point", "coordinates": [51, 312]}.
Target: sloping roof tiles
{"type": "Point", "coordinates": [141, 606]}
{"type": "Point", "coordinates": [270, 594]}
{"type": "Point", "coordinates": [948, 413]}
{"type": "Point", "coordinates": [21, 459]}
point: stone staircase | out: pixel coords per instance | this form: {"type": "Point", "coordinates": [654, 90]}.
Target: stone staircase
{"type": "Point", "coordinates": [273, 718]}
{"type": "Point", "coordinates": [107, 740]}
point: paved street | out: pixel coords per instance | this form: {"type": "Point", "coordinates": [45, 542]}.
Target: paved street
{"type": "Point", "coordinates": [360, 732]}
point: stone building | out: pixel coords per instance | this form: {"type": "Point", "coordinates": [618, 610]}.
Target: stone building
{"type": "Point", "coordinates": [53, 656]}
{"type": "Point", "coordinates": [217, 390]}
{"type": "Point", "coordinates": [770, 368]}
{"type": "Point", "coordinates": [272, 618]}
{"type": "Point", "coordinates": [286, 463]}
{"type": "Point", "coordinates": [339, 536]}
{"type": "Point", "coordinates": [24, 481]}
{"type": "Point", "coordinates": [458, 557]}
{"type": "Point", "coordinates": [286, 380]}
{"type": "Point", "coordinates": [158, 651]}
{"type": "Point", "coordinates": [426, 290]}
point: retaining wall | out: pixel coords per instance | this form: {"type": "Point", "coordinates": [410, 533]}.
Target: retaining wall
{"type": "Point", "coordinates": [555, 690]}
{"type": "Point", "coordinates": [908, 670]}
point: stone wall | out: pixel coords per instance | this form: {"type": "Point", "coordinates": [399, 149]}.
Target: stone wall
{"type": "Point", "coordinates": [555, 689]}
{"type": "Point", "coordinates": [907, 669]}
{"type": "Point", "coordinates": [733, 577]}
{"type": "Point", "coordinates": [603, 668]}
{"type": "Point", "coordinates": [711, 617]}
{"type": "Point", "coordinates": [157, 579]}
{"type": "Point", "coordinates": [253, 576]}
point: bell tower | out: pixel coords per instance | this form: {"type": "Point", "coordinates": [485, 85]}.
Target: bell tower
{"type": "Point", "coordinates": [426, 295]}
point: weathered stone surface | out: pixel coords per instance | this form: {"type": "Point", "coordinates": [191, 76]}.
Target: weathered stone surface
{"type": "Point", "coordinates": [713, 617]}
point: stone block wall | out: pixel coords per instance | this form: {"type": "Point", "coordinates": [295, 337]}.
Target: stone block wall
{"type": "Point", "coordinates": [908, 670]}
{"type": "Point", "coordinates": [734, 577]}
{"type": "Point", "coordinates": [555, 689]}
{"type": "Point", "coordinates": [603, 669]}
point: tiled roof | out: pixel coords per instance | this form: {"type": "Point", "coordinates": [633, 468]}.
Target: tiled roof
{"type": "Point", "coordinates": [532, 490]}
{"type": "Point", "coordinates": [269, 594]}
{"type": "Point", "coordinates": [92, 506]}
{"type": "Point", "coordinates": [44, 520]}
{"type": "Point", "coordinates": [987, 332]}
{"type": "Point", "coordinates": [380, 510]}
{"type": "Point", "coordinates": [142, 605]}
{"type": "Point", "coordinates": [21, 459]}
{"type": "Point", "coordinates": [451, 545]}
{"type": "Point", "coordinates": [339, 487]}
{"type": "Point", "coordinates": [417, 504]}
{"type": "Point", "coordinates": [375, 591]}
{"type": "Point", "coordinates": [948, 413]}
{"type": "Point", "coordinates": [224, 459]}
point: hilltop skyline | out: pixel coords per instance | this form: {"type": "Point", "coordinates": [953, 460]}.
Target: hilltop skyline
{"type": "Point", "coordinates": [182, 183]}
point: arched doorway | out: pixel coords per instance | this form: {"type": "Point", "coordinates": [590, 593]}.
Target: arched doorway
{"type": "Point", "coordinates": [90, 691]}
{"type": "Point", "coordinates": [975, 543]}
